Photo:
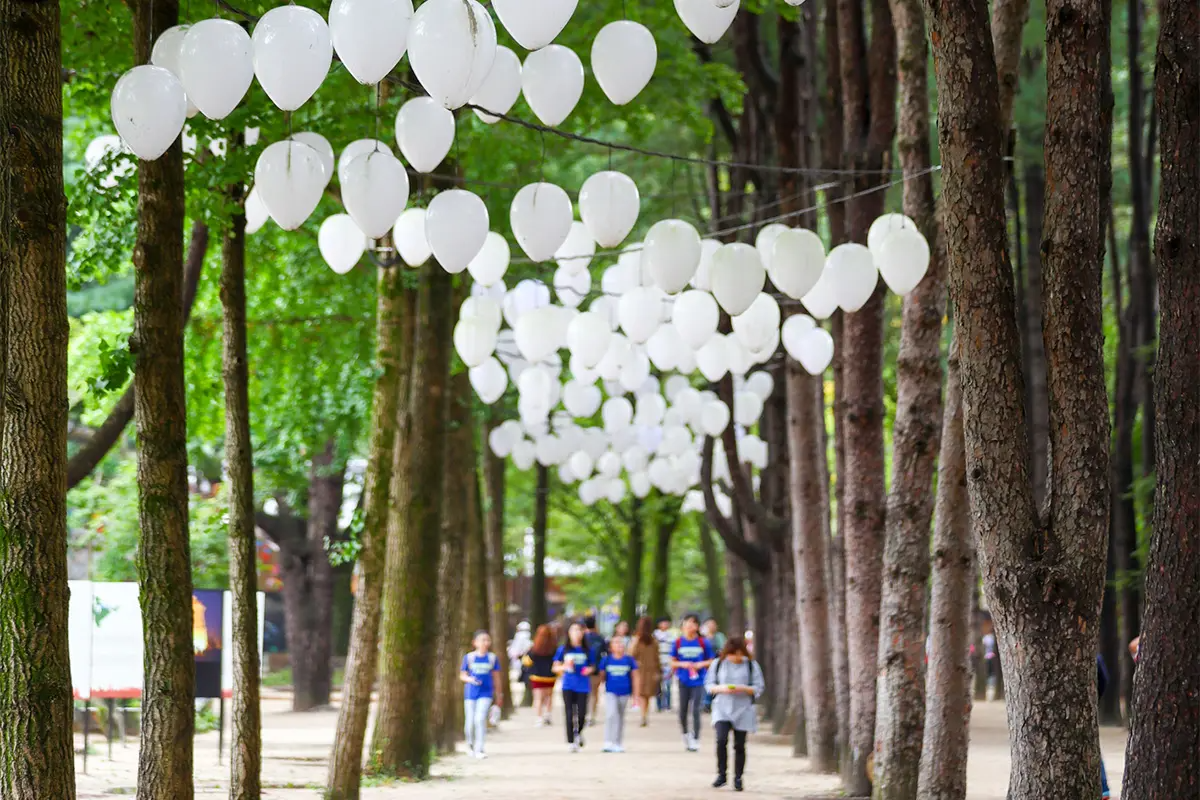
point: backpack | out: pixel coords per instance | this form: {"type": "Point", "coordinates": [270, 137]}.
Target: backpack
{"type": "Point", "coordinates": [717, 673]}
{"type": "Point", "coordinates": [679, 641]}
{"type": "Point", "coordinates": [596, 646]}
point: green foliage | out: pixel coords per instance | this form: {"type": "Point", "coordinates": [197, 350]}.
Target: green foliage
{"type": "Point", "coordinates": [116, 367]}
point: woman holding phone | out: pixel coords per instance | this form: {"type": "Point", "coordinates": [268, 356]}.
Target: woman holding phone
{"type": "Point", "coordinates": [735, 681]}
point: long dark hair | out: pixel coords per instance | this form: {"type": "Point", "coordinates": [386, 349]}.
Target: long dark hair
{"type": "Point", "coordinates": [645, 630]}
{"type": "Point", "coordinates": [735, 646]}
{"type": "Point", "coordinates": [544, 643]}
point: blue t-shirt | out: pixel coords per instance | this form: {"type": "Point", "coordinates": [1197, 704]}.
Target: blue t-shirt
{"type": "Point", "coordinates": [691, 650]}
{"type": "Point", "coordinates": [618, 674]}
{"type": "Point", "coordinates": [574, 681]}
{"type": "Point", "coordinates": [481, 668]}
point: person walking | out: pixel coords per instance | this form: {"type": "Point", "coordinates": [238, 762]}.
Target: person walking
{"type": "Point", "coordinates": [736, 681]}
{"type": "Point", "coordinates": [481, 673]}
{"type": "Point", "coordinates": [539, 665]}
{"type": "Point", "coordinates": [690, 656]}
{"type": "Point", "coordinates": [1101, 685]}
{"type": "Point", "coordinates": [711, 632]}
{"type": "Point", "coordinates": [574, 664]}
{"type": "Point", "coordinates": [644, 650]}
{"type": "Point", "coordinates": [621, 631]}
{"type": "Point", "coordinates": [597, 649]}
{"type": "Point", "coordinates": [621, 679]}
{"type": "Point", "coordinates": [666, 641]}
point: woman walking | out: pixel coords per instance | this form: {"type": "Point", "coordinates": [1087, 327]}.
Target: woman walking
{"type": "Point", "coordinates": [574, 663]}
{"type": "Point", "coordinates": [620, 674]}
{"type": "Point", "coordinates": [644, 649]}
{"type": "Point", "coordinates": [539, 665]}
{"type": "Point", "coordinates": [480, 672]}
{"type": "Point", "coordinates": [735, 682]}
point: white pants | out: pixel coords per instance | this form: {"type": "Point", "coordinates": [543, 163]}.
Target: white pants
{"type": "Point", "coordinates": [614, 717]}
{"type": "Point", "coordinates": [476, 715]}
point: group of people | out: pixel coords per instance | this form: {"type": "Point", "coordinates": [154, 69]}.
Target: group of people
{"type": "Point", "coordinates": [632, 670]}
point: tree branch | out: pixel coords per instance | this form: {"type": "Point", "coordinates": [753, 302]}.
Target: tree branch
{"type": "Point", "coordinates": [743, 490]}
{"type": "Point", "coordinates": [755, 557]}
{"type": "Point", "coordinates": [102, 440]}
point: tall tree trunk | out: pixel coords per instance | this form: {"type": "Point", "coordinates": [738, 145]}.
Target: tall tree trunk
{"type": "Point", "coordinates": [476, 614]}
{"type": "Point", "coordinates": [837, 557]}
{"type": "Point", "coordinates": [163, 556]}
{"type": "Point", "coordinates": [342, 610]}
{"type": "Point", "coordinates": [915, 439]}
{"type": "Point", "coordinates": [1165, 735]}
{"type": "Point", "coordinates": [36, 745]}
{"type": "Point", "coordinates": [538, 613]}
{"type": "Point", "coordinates": [1043, 579]}
{"type": "Point", "coordinates": [805, 423]}
{"type": "Point", "coordinates": [1036, 402]}
{"type": "Point", "coordinates": [493, 523]}
{"type": "Point", "coordinates": [451, 641]}
{"type": "Point", "coordinates": [393, 354]}
{"type": "Point", "coordinates": [324, 505]}
{"type": "Point", "coordinates": [660, 568]}
{"type": "Point", "coordinates": [943, 768]}
{"type": "Point", "coordinates": [403, 743]}
{"type": "Point", "coordinates": [246, 757]}
{"type": "Point", "coordinates": [632, 590]}
{"type": "Point", "coordinates": [735, 589]}
{"type": "Point", "coordinates": [712, 572]}
{"type": "Point", "coordinates": [868, 78]}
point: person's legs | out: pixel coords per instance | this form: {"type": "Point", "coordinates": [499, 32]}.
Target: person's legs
{"type": "Point", "coordinates": [594, 697]}
{"type": "Point", "coordinates": [1105, 792]}
{"type": "Point", "coordinates": [482, 706]}
{"type": "Point", "coordinates": [697, 703]}
{"type": "Point", "coordinates": [622, 705]}
{"type": "Point", "coordinates": [739, 754]}
{"type": "Point", "coordinates": [645, 711]}
{"type": "Point", "coordinates": [569, 706]}
{"type": "Point", "coordinates": [611, 714]}
{"type": "Point", "coordinates": [683, 709]}
{"type": "Point", "coordinates": [469, 724]}
{"type": "Point", "coordinates": [722, 750]}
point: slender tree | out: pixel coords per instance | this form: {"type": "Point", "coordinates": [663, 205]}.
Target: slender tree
{"type": "Point", "coordinates": [36, 747]}
{"type": "Point", "coordinates": [1165, 735]}
{"type": "Point", "coordinates": [246, 758]}
{"type": "Point", "coordinates": [714, 585]}
{"type": "Point", "coordinates": [497, 584]}
{"type": "Point", "coordinates": [538, 613]}
{"type": "Point", "coordinates": [393, 331]}
{"type": "Point", "coordinates": [1043, 578]}
{"type": "Point", "coordinates": [632, 590]}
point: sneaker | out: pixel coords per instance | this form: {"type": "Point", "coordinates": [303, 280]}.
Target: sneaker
{"type": "Point", "coordinates": [737, 783]}
{"type": "Point", "coordinates": [719, 782]}
{"type": "Point", "coordinates": [546, 719]}
{"type": "Point", "coordinates": [591, 723]}
{"type": "Point", "coordinates": [693, 743]}
{"type": "Point", "coordinates": [579, 738]}
{"type": "Point", "coordinates": [687, 742]}
{"type": "Point", "coordinates": [481, 755]}
{"type": "Point", "coordinates": [470, 752]}
{"type": "Point", "coordinates": [574, 748]}
{"type": "Point", "coordinates": [608, 748]}
{"type": "Point", "coordinates": [645, 723]}
{"type": "Point", "coordinates": [618, 749]}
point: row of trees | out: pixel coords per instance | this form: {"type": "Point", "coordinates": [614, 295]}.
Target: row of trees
{"type": "Point", "coordinates": [832, 560]}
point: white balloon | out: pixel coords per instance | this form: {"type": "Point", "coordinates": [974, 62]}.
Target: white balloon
{"type": "Point", "coordinates": [639, 484]}
{"type": "Point", "coordinates": [341, 242]}
{"type": "Point", "coordinates": [740, 358]}
{"type": "Point", "coordinates": [713, 358]}
{"type": "Point", "coordinates": [408, 234]}
{"type": "Point", "coordinates": [640, 312]}
{"type": "Point", "coordinates": [165, 54]}
{"type": "Point", "coordinates": [903, 259]}
{"type": "Point", "coordinates": [695, 315]}
{"type": "Point", "coordinates": [761, 383]}
{"type": "Point", "coordinates": [852, 271]}
{"type": "Point", "coordinates": [292, 54]}
{"type": "Point", "coordinates": [541, 218]}
{"type": "Point", "coordinates": [623, 58]}
{"type": "Point", "coordinates": [526, 296]}
{"type": "Point", "coordinates": [540, 332]}
{"type": "Point", "coordinates": [737, 277]}
{"type": "Point", "coordinates": [705, 19]}
{"type": "Point", "coordinates": [764, 242]}
{"type": "Point", "coordinates": [451, 47]}
{"type": "Point", "coordinates": [486, 309]}
{"type": "Point", "coordinates": [635, 371]}
{"type": "Point", "coordinates": [501, 87]}
{"type": "Point", "coordinates": [614, 492]}
{"type": "Point", "coordinates": [575, 254]}
{"type": "Point", "coordinates": [216, 66]}
{"type": "Point", "coordinates": [290, 179]}
{"type": "Point", "coordinates": [148, 108]}
{"type": "Point", "coordinates": [536, 385]}
{"type": "Point", "coordinates": [534, 23]}
{"type": "Point", "coordinates": [355, 149]}
{"type": "Point", "coordinates": [588, 337]}
{"type": "Point", "coordinates": [714, 418]}
{"type": "Point", "coordinates": [795, 328]}
{"type": "Point", "coordinates": [474, 340]}
{"type": "Point", "coordinates": [671, 254]}
{"type": "Point", "coordinates": [608, 205]}
{"type": "Point", "coordinates": [797, 260]}
{"type": "Point", "coordinates": [370, 36]}
{"type": "Point", "coordinates": [821, 301]}
{"type": "Point", "coordinates": [884, 225]}
{"type": "Point", "coordinates": [491, 262]}
{"type": "Point", "coordinates": [651, 408]}
{"type": "Point", "coordinates": [524, 453]}
{"type": "Point", "coordinates": [747, 407]}
{"type": "Point", "coordinates": [499, 441]}
{"type": "Point", "coordinates": [581, 464]}
{"type": "Point", "coordinates": [605, 307]}
{"type": "Point", "coordinates": [424, 132]}
{"type": "Point", "coordinates": [703, 277]}
{"type": "Point", "coordinates": [664, 348]}
{"type": "Point", "coordinates": [256, 211]}
{"type": "Point", "coordinates": [324, 149]}
{"type": "Point", "coordinates": [617, 414]}
{"type": "Point", "coordinates": [756, 326]}
{"type": "Point", "coordinates": [571, 288]}
{"type": "Point", "coordinates": [582, 400]}
{"type": "Point", "coordinates": [375, 191]}
{"type": "Point", "coordinates": [619, 278]}
{"type": "Point", "coordinates": [609, 465]}
{"type": "Point", "coordinates": [816, 351]}
{"type": "Point", "coordinates": [456, 226]}
{"type": "Point", "coordinates": [552, 82]}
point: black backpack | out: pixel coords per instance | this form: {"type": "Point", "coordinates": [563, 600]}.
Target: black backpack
{"type": "Point", "coordinates": [717, 673]}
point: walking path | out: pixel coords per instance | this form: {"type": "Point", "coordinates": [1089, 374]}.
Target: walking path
{"type": "Point", "coordinates": [525, 761]}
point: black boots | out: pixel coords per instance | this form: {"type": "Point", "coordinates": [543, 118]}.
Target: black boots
{"type": "Point", "coordinates": [720, 781]}
{"type": "Point", "coordinates": [737, 783]}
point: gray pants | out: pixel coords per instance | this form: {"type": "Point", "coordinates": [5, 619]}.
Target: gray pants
{"type": "Point", "coordinates": [614, 717]}
{"type": "Point", "coordinates": [476, 715]}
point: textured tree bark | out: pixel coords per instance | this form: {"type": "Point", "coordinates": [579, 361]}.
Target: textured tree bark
{"type": "Point", "coordinates": [245, 781]}
{"type": "Point", "coordinates": [476, 612]}
{"type": "Point", "coordinates": [809, 544]}
{"type": "Point", "coordinates": [1043, 580]}
{"type": "Point", "coordinates": [1036, 402]}
{"type": "Point", "coordinates": [1165, 734]}
{"type": "Point", "coordinates": [403, 744]}
{"type": "Point", "coordinates": [393, 354]}
{"type": "Point", "coordinates": [868, 79]}
{"type": "Point", "coordinates": [632, 590]}
{"type": "Point", "coordinates": [915, 439]}
{"type": "Point", "coordinates": [735, 589]}
{"type": "Point", "coordinates": [538, 613]}
{"type": "Point", "coordinates": [324, 504]}
{"type": "Point", "coordinates": [163, 557]}
{"type": "Point", "coordinates": [493, 523]}
{"type": "Point", "coordinates": [837, 557]}
{"type": "Point", "coordinates": [36, 744]}
{"type": "Point", "coordinates": [660, 567]}
{"type": "Point", "coordinates": [450, 632]}
{"type": "Point", "coordinates": [943, 768]}
{"type": "Point", "coordinates": [712, 573]}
